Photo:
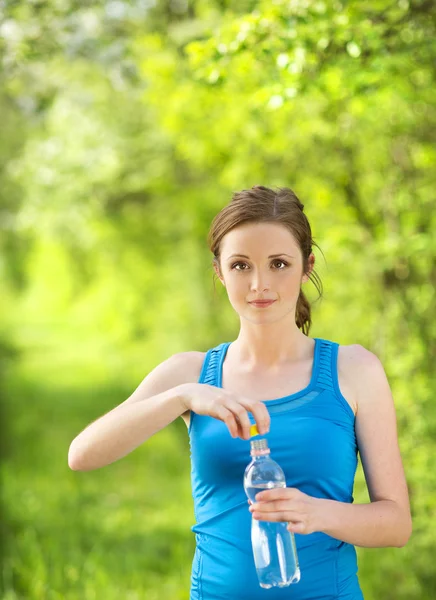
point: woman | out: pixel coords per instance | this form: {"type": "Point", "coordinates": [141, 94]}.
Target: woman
{"type": "Point", "coordinates": [317, 402]}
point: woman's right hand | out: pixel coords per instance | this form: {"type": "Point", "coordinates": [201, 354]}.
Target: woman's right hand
{"type": "Point", "coordinates": [226, 406]}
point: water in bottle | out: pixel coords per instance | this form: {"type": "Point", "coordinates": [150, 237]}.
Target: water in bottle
{"type": "Point", "coordinates": [274, 549]}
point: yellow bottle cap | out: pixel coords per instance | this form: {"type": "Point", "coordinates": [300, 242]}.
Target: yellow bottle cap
{"type": "Point", "coordinates": [253, 431]}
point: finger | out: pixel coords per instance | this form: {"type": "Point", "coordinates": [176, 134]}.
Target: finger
{"type": "Point", "coordinates": [259, 411]}
{"type": "Point", "coordinates": [296, 527]}
{"type": "Point", "coordinates": [276, 494]}
{"type": "Point", "coordinates": [225, 415]}
{"type": "Point", "coordinates": [261, 416]}
{"type": "Point", "coordinates": [281, 516]}
{"type": "Point", "coordinates": [275, 506]}
{"type": "Point", "coordinates": [241, 416]}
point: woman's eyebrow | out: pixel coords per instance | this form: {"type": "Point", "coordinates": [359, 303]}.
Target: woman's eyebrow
{"type": "Point", "coordinates": [270, 256]}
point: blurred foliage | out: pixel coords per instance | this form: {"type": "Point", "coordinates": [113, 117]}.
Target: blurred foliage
{"type": "Point", "coordinates": [126, 125]}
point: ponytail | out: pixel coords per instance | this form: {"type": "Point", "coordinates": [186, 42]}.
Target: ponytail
{"type": "Point", "coordinates": [303, 317]}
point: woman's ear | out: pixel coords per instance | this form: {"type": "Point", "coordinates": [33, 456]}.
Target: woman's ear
{"type": "Point", "coordinates": [306, 275]}
{"type": "Point", "coordinates": [218, 272]}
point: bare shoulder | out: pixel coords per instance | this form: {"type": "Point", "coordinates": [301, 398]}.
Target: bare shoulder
{"type": "Point", "coordinates": [358, 368]}
{"type": "Point", "coordinates": [356, 356]}
{"type": "Point", "coordinates": [185, 366]}
{"type": "Point", "coordinates": [180, 368]}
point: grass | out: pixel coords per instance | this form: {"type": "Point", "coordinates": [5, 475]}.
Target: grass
{"type": "Point", "coordinates": [121, 531]}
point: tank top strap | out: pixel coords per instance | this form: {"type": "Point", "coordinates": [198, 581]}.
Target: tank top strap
{"type": "Point", "coordinates": [212, 364]}
{"type": "Point", "coordinates": [326, 376]}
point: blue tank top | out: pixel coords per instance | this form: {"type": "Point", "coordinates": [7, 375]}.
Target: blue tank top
{"type": "Point", "coordinates": [312, 437]}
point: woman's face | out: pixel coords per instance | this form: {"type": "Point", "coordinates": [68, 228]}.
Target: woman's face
{"type": "Point", "coordinates": [262, 261]}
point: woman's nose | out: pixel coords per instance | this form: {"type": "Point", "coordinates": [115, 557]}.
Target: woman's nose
{"type": "Point", "coordinates": [260, 282]}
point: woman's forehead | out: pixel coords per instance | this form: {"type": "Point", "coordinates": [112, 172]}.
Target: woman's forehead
{"type": "Point", "coordinates": [272, 238]}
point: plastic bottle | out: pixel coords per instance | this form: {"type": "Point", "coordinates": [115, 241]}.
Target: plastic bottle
{"type": "Point", "coordinates": [274, 549]}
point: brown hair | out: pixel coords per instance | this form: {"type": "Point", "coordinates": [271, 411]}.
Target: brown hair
{"type": "Point", "coordinates": [264, 205]}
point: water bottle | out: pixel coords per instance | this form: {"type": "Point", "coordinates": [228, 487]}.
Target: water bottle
{"type": "Point", "coordinates": [274, 549]}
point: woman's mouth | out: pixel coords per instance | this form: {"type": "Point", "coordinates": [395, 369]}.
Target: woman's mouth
{"type": "Point", "coordinates": [262, 303]}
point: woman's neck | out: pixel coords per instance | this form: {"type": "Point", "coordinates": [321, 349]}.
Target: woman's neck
{"type": "Point", "coordinates": [265, 347]}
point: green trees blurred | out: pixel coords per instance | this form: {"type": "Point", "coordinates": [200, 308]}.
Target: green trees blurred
{"type": "Point", "coordinates": [125, 128]}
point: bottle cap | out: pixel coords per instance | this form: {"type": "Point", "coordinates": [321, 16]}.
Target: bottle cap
{"type": "Point", "coordinates": [253, 431]}
{"type": "Point", "coordinates": [259, 447]}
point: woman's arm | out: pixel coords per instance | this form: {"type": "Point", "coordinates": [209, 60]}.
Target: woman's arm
{"type": "Point", "coordinates": [156, 402]}
{"type": "Point", "coordinates": [386, 520]}
{"type": "Point", "coordinates": [168, 392]}
{"type": "Point", "coordinates": [379, 524]}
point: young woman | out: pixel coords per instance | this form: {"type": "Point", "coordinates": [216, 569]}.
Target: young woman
{"type": "Point", "coordinates": [318, 403]}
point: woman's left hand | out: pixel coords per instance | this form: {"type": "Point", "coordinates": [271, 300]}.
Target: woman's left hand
{"type": "Point", "coordinates": [302, 512]}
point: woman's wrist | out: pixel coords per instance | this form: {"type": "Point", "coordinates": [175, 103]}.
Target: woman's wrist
{"type": "Point", "coordinates": [183, 396]}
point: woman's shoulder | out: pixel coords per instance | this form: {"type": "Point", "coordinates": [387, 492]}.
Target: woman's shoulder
{"type": "Point", "coordinates": [177, 369]}
{"type": "Point", "coordinates": [187, 364]}
{"type": "Point", "coordinates": [356, 365]}
{"type": "Point", "coordinates": [356, 358]}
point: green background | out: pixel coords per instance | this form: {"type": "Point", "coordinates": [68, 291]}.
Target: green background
{"type": "Point", "coordinates": [125, 127]}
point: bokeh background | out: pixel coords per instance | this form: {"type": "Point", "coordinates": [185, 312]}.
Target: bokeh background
{"type": "Point", "coordinates": [125, 127]}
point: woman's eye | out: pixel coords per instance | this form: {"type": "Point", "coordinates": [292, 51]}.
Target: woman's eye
{"type": "Point", "coordinates": [280, 264]}
{"type": "Point", "coordinates": [238, 266]}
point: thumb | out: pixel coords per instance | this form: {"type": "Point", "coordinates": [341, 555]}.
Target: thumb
{"type": "Point", "coordinates": [295, 527]}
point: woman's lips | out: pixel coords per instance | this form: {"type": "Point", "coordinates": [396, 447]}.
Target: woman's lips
{"type": "Point", "coordinates": [262, 303]}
